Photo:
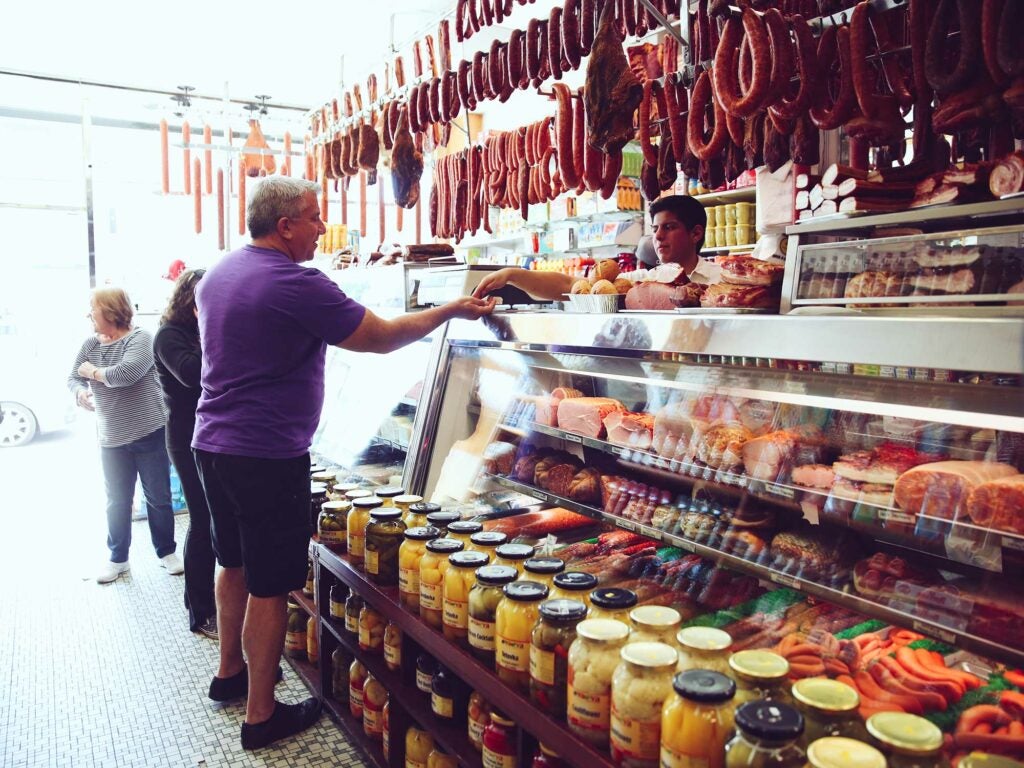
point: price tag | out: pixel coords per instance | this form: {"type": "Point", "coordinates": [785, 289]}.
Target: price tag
{"type": "Point", "coordinates": [927, 629]}
{"type": "Point", "coordinates": [541, 496]}
{"type": "Point", "coordinates": [895, 516]}
{"type": "Point", "coordinates": [571, 438]}
{"type": "Point", "coordinates": [626, 525]}
{"type": "Point", "coordinates": [1009, 542]}
{"type": "Point", "coordinates": [778, 490]}
{"type": "Point", "coordinates": [651, 533]}
{"type": "Point", "coordinates": [784, 580]}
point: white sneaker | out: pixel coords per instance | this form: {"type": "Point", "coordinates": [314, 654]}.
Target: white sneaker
{"type": "Point", "coordinates": [110, 571]}
{"type": "Point", "coordinates": [172, 563]}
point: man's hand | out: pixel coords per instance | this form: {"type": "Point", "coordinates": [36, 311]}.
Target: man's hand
{"type": "Point", "coordinates": [493, 281]}
{"type": "Point", "coordinates": [86, 370]}
{"type": "Point", "coordinates": [85, 400]}
{"type": "Point", "coordinates": [472, 308]}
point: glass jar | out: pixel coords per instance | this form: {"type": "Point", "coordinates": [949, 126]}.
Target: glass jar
{"type": "Point", "coordinates": [458, 580]}
{"type": "Point", "coordinates": [336, 601]}
{"type": "Point", "coordinates": [908, 741]}
{"type": "Point", "coordinates": [499, 743]}
{"type": "Point", "coordinates": [353, 605]}
{"type": "Point", "coordinates": [985, 760]}
{"type": "Point", "coordinates": [425, 669]}
{"type": "Point", "coordinates": [478, 716]}
{"type": "Point", "coordinates": [513, 627]}
{"type": "Point", "coordinates": [767, 736]}
{"type": "Point", "coordinates": [356, 522]}
{"type": "Point", "coordinates": [416, 515]}
{"type": "Point", "coordinates": [574, 585]}
{"type": "Point", "coordinates": [696, 723]}
{"type": "Point", "coordinates": [315, 466]}
{"type": "Point", "coordinates": [703, 648]}
{"type": "Point", "coordinates": [433, 566]}
{"type": "Point", "coordinates": [332, 525]}
{"type": "Point", "coordinates": [550, 641]}
{"type": "Point", "coordinates": [438, 758]}
{"type": "Point", "coordinates": [340, 489]}
{"type": "Point", "coordinates": [388, 494]}
{"type": "Point", "coordinates": [641, 683]}
{"type": "Point", "coordinates": [612, 603]}
{"type": "Point", "coordinates": [405, 501]}
{"type": "Point", "coordinates": [418, 746]}
{"type": "Point", "coordinates": [514, 555]}
{"type": "Point", "coordinates": [312, 641]}
{"type": "Point", "coordinates": [759, 675]}
{"type": "Point", "coordinates": [437, 518]}
{"type": "Point", "coordinates": [358, 493]}
{"type": "Point", "coordinates": [829, 708]}
{"type": "Point", "coordinates": [409, 555]}
{"type": "Point", "coordinates": [593, 657]}
{"type": "Point", "coordinates": [385, 730]}
{"type": "Point", "coordinates": [317, 496]}
{"type": "Point", "coordinates": [384, 535]}
{"type": "Point", "coordinates": [462, 530]}
{"type": "Point", "coordinates": [447, 696]}
{"type": "Point", "coordinates": [324, 477]}
{"type": "Point", "coordinates": [487, 542]}
{"type": "Point", "coordinates": [340, 661]}
{"type": "Point", "coordinates": [484, 597]}
{"type": "Point", "coordinates": [545, 757]}
{"type": "Point", "coordinates": [393, 646]}
{"type": "Point", "coordinates": [356, 680]}
{"type": "Point", "coordinates": [309, 588]}
{"type": "Point", "coordinates": [654, 624]}
{"type": "Point", "coordinates": [840, 752]}
{"type": "Point", "coordinates": [295, 634]}
{"type": "Point", "coordinates": [371, 630]}
{"type": "Point", "coordinates": [543, 570]}
{"type": "Point", "coordinates": [375, 696]}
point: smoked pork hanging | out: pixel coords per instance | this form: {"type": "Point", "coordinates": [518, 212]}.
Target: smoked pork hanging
{"type": "Point", "coordinates": [612, 92]}
{"type": "Point", "coordinates": [252, 162]}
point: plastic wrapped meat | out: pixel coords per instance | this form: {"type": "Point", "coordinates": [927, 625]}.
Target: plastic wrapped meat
{"type": "Point", "coordinates": [633, 430]}
{"type": "Point", "coordinates": [585, 415]}
{"type": "Point", "coordinates": [676, 432]}
{"type": "Point", "coordinates": [547, 406]}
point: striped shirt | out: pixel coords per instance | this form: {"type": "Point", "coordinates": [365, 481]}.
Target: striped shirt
{"type": "Point", "coordinates": [129, 405]}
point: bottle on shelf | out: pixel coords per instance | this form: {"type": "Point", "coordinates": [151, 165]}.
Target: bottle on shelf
{"type": "Point", "coordinates": [331, 525]}
{"type": "Point", "coordinates": [543, 570]}
{"type": "Point", "coordinates": [458, 580]}
{"type": "Point", "coordinates": [433, 566]}
{"type": "Point", "coordinates": [340, 663]}
{"type": "Point", "coordinates": [612, 603]}
{"type": "Point", "coordinates": [908, 741]}
{"type": "Point", "coordinates": [760, 675]}
{"type": "Point", "coordinates": [308, 589]}
{"type": "Point", "coordinates": [478, 717]}
{"type": "Point", "coordinates": [356, 522]}
{"type": "Point", "coordinates": [312, 641]}
{"type": "Point", "coordinates": [295, 634]}
{"type": "Point", "coordinates": [353, 606]}
{"type": "Point", "coordinates": [551, 639]}
{"type": "Point", "coordinates": [375, 696]}
{"type": "Point", "coordinates": [499, 743]}
{"type": "Point", "coordinates": [640, 685]}
{"type": "Point", "coordinates": [513, 627]}
{"type": "Point", "coordinates": [356, 679]}
{"type": "Point", "coordinates": [418, 745]}
{"type": "Point", "coordinates": [417, 515]}
{"type": "Point", "coordinates": [767, 733]}
{"type": "Point", "coordinates": [829, 708]}
{"type": "Point", "coordinates": [574, 585]}
{"type": "Point", "coordinates": [840, 752]}
{"type": "Point", "coordinates": [425, 669]}
{"type": "Point", "coordinates": [371, 630]}
{"type": "Point", "coordinates": [655, 624]}
{"type": "Point", "coordinates": [409, 555]}
{"type": "Point", "coordinates": [697, 721]}
{"type": "Point", "coordinates": [384, 534]}
{"type": "Point", "coordinates": [336, 601]}
{"type": "Point", "coordinates": [545, 757]}
{"type": "Point", "coordinates": [484, 597]}
{"type": "Point", "coordinates": [703, 648]}
{"type": "Point", "coordinates": [593, 657]}
{"type": "Point", "coordinates": [514, 555]}
{"type": "Point", "coordinates": [393, 646]}
{"type": "Point", "coordinates": [447, 695]}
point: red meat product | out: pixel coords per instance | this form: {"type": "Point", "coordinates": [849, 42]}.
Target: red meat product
{"type": "Point", "coordinates": [547, 407]}
{"type": "Point", "coordinates": [767, 457]}
{"type": "Point", "coordinates": [940, 489]}
{"type": "Point", "coordinates": [999, 504]}
{"type": "Point", "coordinates": [674, 430]}
{"type": "Point", "coordinates": [585, 415]}
{"type": "Point", "coordinates": [660, 296]}
{"type": "Point", "coordinates": [813, 476]}
{"type": "Point", "coordinates": [633, 430]}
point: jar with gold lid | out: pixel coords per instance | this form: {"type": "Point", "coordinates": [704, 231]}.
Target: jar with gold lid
{"type": "Point", "coordinates": [458, 581]}
{"type": "Point", "coordinates": [385, 532]}
{"type": "Point", "coordinates": [340, 489]}
{"type": "Point", "coordinates": [514, 555]}
{"type": "Point", "coordinates": [703, 648]}
{"type": "Point", "coordinates": [433, 566]}
{"type": "Point", "coordinates": [574, 585]}
{"type": "Point", "coordinates": [908, 741]}
{"type": "Point", "coordinates": [655, 624]}
{"type": "Point", "coordinates": [418, 746]}
{"type": "Point", "coordinates": [829, 708]}
{"type": "Point", "coordinates": [461, 530]}
{"type": "Point", "coordinates": [841, 752]}
{"type": "Point", "coordinates": [326, 477]}
{"type": "Point", "coordinates": [405, 501]}
{"type": "Point", "coordinates": [484, 597]}
{"type": "Point", "coordinates": [543, 570]}
{"type": "Point", "coordinates": [593, 657]}
{"type": "Point", "coordinates": [332, 525]}
{"type": "Point", "coordinates": [409, 555]}
{"type": "Point", "coordinates": [612, 603]}
{"type": "Point", "coordinates": [513, 628]}
{"type": "Point", "coordinates": [487, 542]}
{"type": "Point", "coordinates": [358, 493]}
{"type": "Point", "coordinates": [388, 494]}
{"type": "Point", "coordinates": [358, 517]}
{"type": "Point", "coordinates": [760, 675]}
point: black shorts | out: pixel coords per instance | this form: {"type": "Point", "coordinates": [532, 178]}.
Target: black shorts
{"type": "Point", "coordinates": [259, 511]}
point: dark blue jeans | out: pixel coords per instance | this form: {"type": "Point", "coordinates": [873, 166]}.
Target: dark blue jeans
{"type": "Point", "coordinates": [146, 458]}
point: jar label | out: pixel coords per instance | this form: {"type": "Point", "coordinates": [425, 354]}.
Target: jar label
{"type": "Point", "coordinates": [494, 760]}
{"type": "Point", "coordinates": [409, 580]}
{"type": "Point", "coordinates": [424, 681]}
{"type": "Point", "coordinates": [476, 731]}
{"type": "Point", "coordinates": [364, 637]}
{"type": "Point", "coordinates": [441, 706]}
{"type": "Point", "coordinates": [333, 539]}
{"type": "Point", "coordinates": [588, 711]}
{"type": "Point", "coordinates": [512, 654]}
{"type": "Point", "coordinates": [352, 623]}
{"type": "Point", "coordinates": [355, 699]}
{"type": "Point", "coordinates": [456, 613]}
{"type": "Point", "coordinates": [430, 596]}
{"type": "Point", "coordinates": [337, 610]}
{"type": "Point", "coordinates": [372, 558]}
{"type": "Point", "coordinates": [294, 642]}
{"type": "Point", "coordinates": [356, 546]}
{"type": "Point", "coordinates": [481, 634]}
{"type": "Point", "coordinates": [634, 739]}
{"type": "Point", "coordinates": [672, 758]}
{"type": "Point", "coordinates": [393, 654]}
{"type": "Point", "coordinates": [542, 666]}
{"type": "Point", "coordinates": [372, 725]}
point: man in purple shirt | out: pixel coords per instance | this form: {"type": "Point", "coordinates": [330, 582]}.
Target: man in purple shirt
{"type": "Point", "coordinates": [265, 322]}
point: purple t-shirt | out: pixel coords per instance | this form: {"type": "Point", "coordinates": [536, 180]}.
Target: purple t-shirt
{"type": "Point", "coordinates": [265, 323]}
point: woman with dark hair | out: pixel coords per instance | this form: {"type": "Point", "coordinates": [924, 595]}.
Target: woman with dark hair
{"type": "Point", "coordinates": [178, 362]}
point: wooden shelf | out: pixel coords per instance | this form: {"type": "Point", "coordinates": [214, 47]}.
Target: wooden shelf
{"type": "Point", "coordinates": [305, 603]}
{"type": "Point", "coordinates": [545, 729]}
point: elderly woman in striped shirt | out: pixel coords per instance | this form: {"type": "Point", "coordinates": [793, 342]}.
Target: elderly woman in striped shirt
{"type": "Point", "coordinates": [114, 375]}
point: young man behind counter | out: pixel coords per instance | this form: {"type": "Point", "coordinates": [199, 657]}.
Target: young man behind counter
{"type": "Point", "coordinates": [677, 221]}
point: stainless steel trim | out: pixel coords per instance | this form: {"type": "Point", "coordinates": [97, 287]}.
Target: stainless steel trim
{"type": "Point", "coordinates": [958, 234]}
{"type": "Point", "coordinates": [910, 216]}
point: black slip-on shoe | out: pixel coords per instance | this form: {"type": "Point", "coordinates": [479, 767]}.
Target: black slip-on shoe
{"type": "Point", "coordinates": [235, 687]}
{"type": "Point", "coordinates": [287, 720]}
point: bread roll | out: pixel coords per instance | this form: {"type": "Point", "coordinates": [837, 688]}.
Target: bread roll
{"type": "Point", "coordinates": [604, 287]}
{"type": "Point", "coordinates": [606, 269]}
{"type": "Point", "coordinates": [622, 284]}
{"type": "Point", "coordinates": [580, 287]}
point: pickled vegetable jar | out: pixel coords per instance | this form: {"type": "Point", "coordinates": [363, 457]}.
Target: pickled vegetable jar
{"type": "Point", "coordinates": [438, 758]}
{"type": "Point", "coordinates": [499, 743]}
{"type": "Point", "coordinates": [317, 496]}
{"type": "Point", "coordinates": [462, 530]}
{"type": "Point", "coordinates": [340, 490]}
{"type": "Point", "coordinates": [418, 746]}
{"type": "Point", "coordinates": [612, 603]}
{"type": "Point", "coordinates": [759, 675]}
{"type": "Point", "coordinates": [332, 525]}
{"type": "Point", "coordinates": [829, 709]}
{"type": "Point", "coordinates": [358, 517]}
{"type": "Point", "coordinates": [384, 535]}
{"type": "Point", "coordinates": [340, 661]}
{"type": "Point", "coordinates": [840, 752]}
{"type": "Point", "coordinates": [371, 630]}
{"type": "Point", "coordinates": [640, 685]}
{"type": "Point", "coordinates": [425, 669]}
{"type": "Point", "coordinates": [393, 646]}
{"type": "Point", "coordinates": [324, 477]}
{"type": "Point", "coordinates": [487, 542]}
{"type": "Point", "coordinates": [295, 634]}
{"type": "Point", "coordinates": [433, 566]}
{"type": "Point", "coordinates": [388, 494]}
{"type": "Point", "coordinates": [696, 723]}
{"type": "Point", "coordinates": [358, 493]}
{"type": "Point", "coordinates": [375, 696]}
{"type": "Point", "coordinates": [416, 514]}
{"type": "Point", "coordinates": [513, 627]}
{"type": "Point", "coordinates": [984, 760]}
{"type": "Point", "coordinates": [458, 580]}
{"type": "Point", "coordinates": [405, 501]}
{"type": "Point", "coordinates": [703, 648]}
{"type": "Point", "coordinates": [409, 555]}
{"type": "Point", "coordinates": [593, 657]}
{"type": "Point", "coordinates": [574, 585]}
{"type": "Point", "coordinates": [312, 641]}
{"type": "Point", "coordinates": [437, 518]}
{"type": "Point", "coordinates": [484, 597]}
{"type": "Point", "coordinates": [336, 601]}
{"type": "Point", "coordinates": [478, 716]}
{"type": "Point", "coordinates": [549, 653]}
{"type": "Point", "coordinates": [655, 624]}
{"type": "Point", "coordinates": [309, 588]}
{"type": "Point", "coordinates": [908, 741]}
{"type": "Point", "coordinates": [767, 736]}
{"type": "Point", "coordinates": [447, 695]}
{"type": "Point", "coordinates": [356, 679]}
{"type": "Point", "coordinates": [353, 606]}
{"type": "Point", "coordinates": [514, 555]}
{"type": "Point", "coordinates": [543, 570]}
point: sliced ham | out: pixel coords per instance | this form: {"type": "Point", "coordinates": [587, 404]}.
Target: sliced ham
{"type": "Point", "coordinates": [814, 476]}
{"type": "Point", "coordinates": [547, 406]}
{"type": "Point", "coordinates": [941, 488]}
{"type": "Point", "coordinates": [633, 430]}
{"type": "Point", "coordinates": [674, 429]}
{"type": "Point", "coordinates": [651, 296]}
{"type": "Point", "coordinates": [768, 457]}
{"type": "Point", "coordinates": [585, 415]}
{"type": "Point", "coordinates": [999, 504]}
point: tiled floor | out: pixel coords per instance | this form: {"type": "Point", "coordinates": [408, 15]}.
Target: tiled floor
{"type": "Point", "coordinates": [95, 675]}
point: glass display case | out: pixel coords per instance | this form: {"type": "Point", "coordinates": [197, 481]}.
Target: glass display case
{"type": "Point", "coordinates": [854, 483]}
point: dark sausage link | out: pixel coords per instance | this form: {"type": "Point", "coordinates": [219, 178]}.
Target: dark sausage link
{"type": "Point", "coordinates": [479, 76]}
{"type": "Point", "coordinates": [834, 47]}
{"type": "Point", "coordinates": [1008, 50]}
{"type": "Point", "coordinates": [991, 13]}
{"type": "Point", "coordinates": [515, 58]}
{"type": "Point", "coordinates": [545, 67]}
{"type": "Point", "coordinates": [533, 49]}
{"type": "Point", "coordinates": [571, 33]}
{"type": "Point", "coordinates": [610, 172]}
{"type": "Point", "coordinates": [725, 72]}
{"type": "Point", "coordinates": [895, 74]}
{"type": "Point", "coordinates": [496, 77]}
{"type": "Point", "coordinates": [460, 20]}
{"type": "Point", "coordinates": [699, 101]}
{"type": "Point", "coordinates": [807, 57]}
{"type": "Point", "coordinates": [948, 81]}
{"type": "Point", "coordinates": [464, 85]}
{"type": "Point", "coordinates": [555, 42]}
{"type": "Point", "coordinates": [588, 21]}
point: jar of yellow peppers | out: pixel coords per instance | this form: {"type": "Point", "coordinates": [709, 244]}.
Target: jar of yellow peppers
{"type": "Point", "coordinates": [433, 565]}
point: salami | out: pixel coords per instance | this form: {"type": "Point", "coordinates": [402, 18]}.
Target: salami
{"type": "Point", "coordinates": [564, 135]}
{"type": "Point", "coordinates": [515, 58]}
{"type": "Point", "coordinates": [807, 58]}
{"type": "Point", "coordinates": [611, 170]}
{"type": "Point", "coordinates": [555, 42]}
{"type": "Point", "coordinates": [703, 148]}
{"type": "Point", "coordinates": [726, 79]}
{"type": "Point", "coordinates": [571, 33]}
{"type": "Point", "coordinates": [880, 114]}
{"type": "Point", "coordinates": [1008, 50]}
{"type": "Point", "coordinates": [833, 109]}
{"type": "Point", "coordinates": [948, 80]}
{"type": "Point", "coordinates": [675, 110]}
{"type": "Point", "coordinates": [466, 96]}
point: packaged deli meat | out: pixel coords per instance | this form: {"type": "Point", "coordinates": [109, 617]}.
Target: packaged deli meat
{"type": "Point", "coordinates": [941, 489]}
{"type": "Point", "coordinates": [585, 415]}
{"type": "Point", "coordinates": [769, 457]}
{"type": "Point", "coordinates": [999, 504]}
{"type": "Point", "coordinates": [632, 430]}
{"type": "Point", "coordinates": [547, 406]}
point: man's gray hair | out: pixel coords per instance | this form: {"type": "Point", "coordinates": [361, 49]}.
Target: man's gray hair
{"type": "Point", "coordinates": [273, 198]}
